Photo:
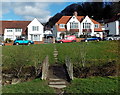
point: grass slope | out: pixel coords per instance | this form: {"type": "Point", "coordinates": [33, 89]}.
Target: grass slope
{"type": "Point", "coordinates": [94, 85]}
{"type": "Point", "coordinates": [35, 86]}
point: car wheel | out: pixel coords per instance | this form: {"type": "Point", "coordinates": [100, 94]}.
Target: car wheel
{"type": "Point", "coordinates": [110, 39]}
{"type": "Point", "coordinates": [17, 43]}
{"type": "Point", "coordinates": [86, 41]}
{"type": "Point", "coordinates": [61, 42]}
{"type": "Point", "coordinates": [29, 43]}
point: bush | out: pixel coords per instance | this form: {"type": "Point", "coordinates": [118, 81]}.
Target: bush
{"type": "Point", "coordinates": [8, 40]}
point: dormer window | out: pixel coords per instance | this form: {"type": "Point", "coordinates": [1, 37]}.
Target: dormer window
{"type": "Point", "coordinates": [62, 25]}
{"type": "Point", "coordinates": [96, 25]}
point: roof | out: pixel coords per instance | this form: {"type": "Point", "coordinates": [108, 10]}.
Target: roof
{"type": "Point", "coordinates": [65, 19]}
{"type": "Point", "coordinates": [13, 24]}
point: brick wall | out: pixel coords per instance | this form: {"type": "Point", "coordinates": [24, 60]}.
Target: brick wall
{"type": "Point", "coordinates": [79, 39]}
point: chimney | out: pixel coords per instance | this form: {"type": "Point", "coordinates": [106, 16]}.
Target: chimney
{"type": "Point", "coordinates": [75, 13]}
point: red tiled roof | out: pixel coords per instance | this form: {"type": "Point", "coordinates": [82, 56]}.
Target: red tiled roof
{"type": "Point", "coordinates": [97, 29]}
{"type": "Point", "coordinates": [64, 20]}
{"type": "Point", "coordinates": [14, 24]}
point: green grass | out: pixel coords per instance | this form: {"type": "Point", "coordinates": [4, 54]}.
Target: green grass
{"type": "Point", "coordinates": [94, 85]}
{"type": "Point", "coordinates": [27, 55]}
{"type": "Point", "coordinates": [88, 53]}
{"type": "Point", "coordinates": [35, 86]}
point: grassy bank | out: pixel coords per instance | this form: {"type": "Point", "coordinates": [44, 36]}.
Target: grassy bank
{"type": "Point", "coordinates": [35, 86]}
{"type": "Point", "coordinates": [91, 53]}
{"type": "Point", "coordinates": [27, 55]}
{"type": "Point", "coordinates": [100, 85]}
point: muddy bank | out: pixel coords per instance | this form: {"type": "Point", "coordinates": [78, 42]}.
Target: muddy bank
{"type": "Point", "coordinates": [108, 69]}
{"type": "Point", "coordinates": [10, 76]}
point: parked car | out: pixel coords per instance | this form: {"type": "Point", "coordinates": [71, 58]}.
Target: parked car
{"type": "Point", "coordinates": [112, 37]}
{"type": "Point", "coordinates": [91, 39]}
{"type": "Point", "coordinates": [2, 44]}
{"type": "Point", "coordinates": [22, 41]}
{"type": "Point", "coordinates": [67, 39]}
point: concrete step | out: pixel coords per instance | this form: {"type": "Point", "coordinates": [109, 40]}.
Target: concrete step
{"type": "Point", "coordinates": [57, 86]}
{"type": "Point", "coordinates": [57, 83]}
{"type": "Point", "coordinates": [53, 79]}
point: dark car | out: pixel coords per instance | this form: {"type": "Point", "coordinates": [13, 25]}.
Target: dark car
{"type": "Point", "coordinates": [92, 39]}
{"type": "Point", "coordinates": [22, 41]}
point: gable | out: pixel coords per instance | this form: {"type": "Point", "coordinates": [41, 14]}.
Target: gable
{"type": "Point", "coordinates": [35, 22]}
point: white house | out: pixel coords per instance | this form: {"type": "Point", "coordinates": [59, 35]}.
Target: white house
{"type": "Point", "coordinates": [78, 25]}
{"type": "Point", "coordinates": [32, 30]}
{"type": "Point", "coordinates": [35, 31]}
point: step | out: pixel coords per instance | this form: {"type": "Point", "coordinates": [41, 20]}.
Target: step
{"type": "Point", "coordinates": [58, 86]}
{"type": "Point", "coordinates": [52, 79]}
{"type": "Point", "coordinates": [58, 83]}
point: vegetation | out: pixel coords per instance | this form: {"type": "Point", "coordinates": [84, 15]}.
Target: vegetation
{"type": "Point", "coordinates": [90, 53]}
{"type": "Point", "coordinates": [94, 85]}
{"type": "Point", "coordinates": [35, 86]}
{"type": "Point", "coordinates": [19, 57]}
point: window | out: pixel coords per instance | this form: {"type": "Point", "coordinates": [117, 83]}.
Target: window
{"type": "Point", "coordinates": [18, 30]}
{"type": "Point", "coordinates": [62, 25]}
{"type": "Point", "coordinates": [96, 25]}
{"type": "Point", "coordinates": [73, 25]}
{"type": "Point", "coordinates": [9, 30]}
{"type": "Point", "coordinates": [86, 25]}
{"type": "Point", "coordinates": [35, 28]}
{"type": "Point", "coordinates": [36, 37]}
{"type": "Point", "coordinates": [107, 25]}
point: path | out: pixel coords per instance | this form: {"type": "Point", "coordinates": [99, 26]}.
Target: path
{"type": "Point", "coordinates": [57, 77]}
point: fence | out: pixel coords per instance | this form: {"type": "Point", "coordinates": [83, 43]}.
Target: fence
{"type": "Point", "coordinates": [69, 67]}
{"type": "Point", "coordinates": [45, 67]}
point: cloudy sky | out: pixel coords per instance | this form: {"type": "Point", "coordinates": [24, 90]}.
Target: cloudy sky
{"type": "Point", "coordinates": [30, 9]}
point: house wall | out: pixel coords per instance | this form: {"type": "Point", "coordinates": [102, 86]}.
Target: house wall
{"type": "Point", "coordinates": [113, 28]}
{"type": "Point", "coordinates": [35, 22]}
{"type": "Point", "coordinates": [87, 20]}
{"type": "Point", "coordinates": [12, 35]}
{"type": "Point", "coordinates": [73, 19]}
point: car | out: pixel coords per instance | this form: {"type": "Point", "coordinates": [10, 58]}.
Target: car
{"type": "Point", "coordinates": [22, 41]}
{"type": "Point", "coordinates": [67, 39]}
{"type": "Point", "coordinates": [112, 37]}
{"type": "Point", "coordinates": [91, 39]}
{"type": "Point", "coordinates": [2, 44]}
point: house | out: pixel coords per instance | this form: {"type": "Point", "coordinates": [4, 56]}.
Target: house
{"type": "Point", "coordinates": [77, 25]}
{"type": "Point", "coordinates": [112, 27]}
{"type": "Point", "coordinates": [32, 30]}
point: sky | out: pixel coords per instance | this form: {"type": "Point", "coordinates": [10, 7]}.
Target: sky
{"type": "Point", "coordinates": [30, 9]}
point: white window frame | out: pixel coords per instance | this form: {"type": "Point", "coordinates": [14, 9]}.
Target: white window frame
{"type": "Point", "coordinates": [62, 25]}
{"type": "Point", "coordinates": [9, 30]}
{"type": "Point", "coordinates": [74, 25]}
{"type": "Point", "coordinates": [18, 30]}
{"type": "Point", "coordinates": [96, 25]}
{"type": "Point", "coordinates": [86, 25]}
{"type": "Point", "coordinates": [35, 28]}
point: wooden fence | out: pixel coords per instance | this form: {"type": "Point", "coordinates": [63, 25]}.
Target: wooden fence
{"type": "Point", "coordinates": [45, 67]}
{"type": "Point", "coordinates": [69, 67]}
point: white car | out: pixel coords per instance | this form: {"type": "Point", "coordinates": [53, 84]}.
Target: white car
{"type": "Point", "coordinates": [113, 37]}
